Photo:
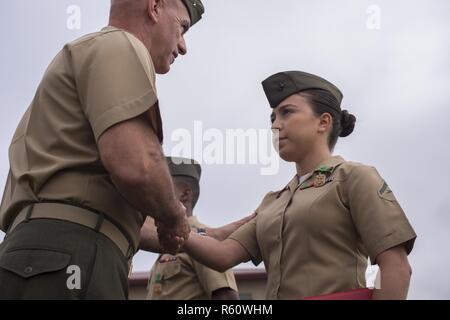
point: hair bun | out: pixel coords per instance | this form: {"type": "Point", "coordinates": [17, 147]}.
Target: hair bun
{"type": "Point", "coordinates": [347, 123]}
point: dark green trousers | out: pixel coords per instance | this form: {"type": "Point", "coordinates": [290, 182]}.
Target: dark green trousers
{"type": "Point", "coordinates": [52, 259]}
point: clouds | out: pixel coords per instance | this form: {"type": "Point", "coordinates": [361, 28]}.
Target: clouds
{"type": "Point", "coordinates": [395, 80]}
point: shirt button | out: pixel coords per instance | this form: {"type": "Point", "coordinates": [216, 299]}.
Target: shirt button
{"type": "Point", "coordinates": [28, 269]}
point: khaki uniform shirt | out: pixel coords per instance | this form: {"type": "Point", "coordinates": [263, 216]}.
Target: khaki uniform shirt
{"type": "Point", "coordinates": [315, 238]}
{"type": "Point", "coordinates": [92, 84]}
{"type": "Point", "coordinates": [180, 277]}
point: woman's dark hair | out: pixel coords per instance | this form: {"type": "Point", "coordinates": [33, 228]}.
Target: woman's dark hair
{"type": "Point", "coordinates": [322, 102]}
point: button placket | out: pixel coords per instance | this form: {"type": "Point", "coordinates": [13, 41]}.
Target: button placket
{"type": "Point", "coordinates": [280, 238]}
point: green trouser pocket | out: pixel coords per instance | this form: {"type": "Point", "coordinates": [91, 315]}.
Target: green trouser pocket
{"type": "Point", "coordinates": [35, 273]}
{"type": "Point", "coordinates": [30, 262]}
{"type": "Point", "coordinates": [52, 259]}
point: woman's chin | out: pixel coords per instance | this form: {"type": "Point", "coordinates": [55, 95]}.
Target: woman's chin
{"type": "Point", "coordinates": [286, 156]}
{"type": "Point", "coordinates": [290, 155]}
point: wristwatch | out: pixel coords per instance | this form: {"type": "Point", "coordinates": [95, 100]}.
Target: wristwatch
{"type": "Point", "coordinates": [201, 231]}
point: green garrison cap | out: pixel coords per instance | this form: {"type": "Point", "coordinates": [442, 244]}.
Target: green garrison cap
{"type": "Point", "coordinates": [284, 84]}
{"type": "Point", "coordinates": [184, 167]}
{"type": "Point", "coordinates": [196, 9]}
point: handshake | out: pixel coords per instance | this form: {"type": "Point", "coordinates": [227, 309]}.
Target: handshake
{"type": "Point", "coordinates": [173, 233]}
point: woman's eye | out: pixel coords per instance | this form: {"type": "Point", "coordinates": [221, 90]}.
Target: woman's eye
{"type": "Point", "coordinates": [285, 112]}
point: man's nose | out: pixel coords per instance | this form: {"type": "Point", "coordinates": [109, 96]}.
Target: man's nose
{"type": "Point", "coordinates": [182, 49]}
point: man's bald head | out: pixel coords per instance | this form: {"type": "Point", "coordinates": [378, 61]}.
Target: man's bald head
{"type": "Point", "coordinates": [128, 4]}
{"type": "Point", "coordinates": [126, 9]}
{"type": "Point", "coordinates": [194, 7]}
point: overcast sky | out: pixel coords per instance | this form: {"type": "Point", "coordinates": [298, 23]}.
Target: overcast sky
{"type": "Point", "coordinates": [391, 60]}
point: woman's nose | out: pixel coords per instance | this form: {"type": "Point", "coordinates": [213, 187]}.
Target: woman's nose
{"type": "Point", "coordinates": [276, 125]}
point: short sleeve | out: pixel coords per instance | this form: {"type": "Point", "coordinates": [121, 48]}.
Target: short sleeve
{"type": "Point", "coordinates": [377, 215]}
{"type": "Point", "coordinates": [115, 79]}
{"type": "Point", "coordinates": [246, 236]}
{"type": "Point", "coordinates": [212, 280]}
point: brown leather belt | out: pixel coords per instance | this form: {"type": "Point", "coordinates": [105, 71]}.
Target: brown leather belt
{"type": "Point", "coordinates": [84, 217]}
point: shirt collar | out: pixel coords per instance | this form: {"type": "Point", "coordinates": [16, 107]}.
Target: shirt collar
{"type": "Point", "coordinates": [304, 178]}
{"type": "Point", "coordinates": [330, 164]}
{"type": "Point", "coordinates": [327, 165]}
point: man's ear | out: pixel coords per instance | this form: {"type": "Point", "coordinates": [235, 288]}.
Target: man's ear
{"type": "Point", "coordinates": [325, 123]}
{"type": "Point", "coordinates": [154, 8]}
{"type": "Point", "coordinates": [186, 195]}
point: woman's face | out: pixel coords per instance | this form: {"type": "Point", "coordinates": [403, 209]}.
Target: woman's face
{"type": "Point", "coordinates": [296, 126]}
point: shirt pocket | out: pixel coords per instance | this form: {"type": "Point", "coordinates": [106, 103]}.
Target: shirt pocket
{"type": "Point", "coordinates": [30, 262]}
{"type": "Point", "coordinates": [170, 269]}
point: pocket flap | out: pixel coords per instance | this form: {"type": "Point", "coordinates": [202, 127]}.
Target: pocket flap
{"type": "Point", "coordinates": [31, 262]}
{"type": "Point", "coordinates": [170, 269]}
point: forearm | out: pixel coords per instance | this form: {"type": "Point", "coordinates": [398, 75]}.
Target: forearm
{"type": "Point", "coordinates": [149, 237]}
{"type": "Point", "coordinates": [132, 154]}
{"type": "Point", "coordinates": [153, 192]}
{"type": "Point", "coordinates": [143, 178]}
{"type": "Point", "coordinates": [217, 255]}
{"type": "Point", "coordinates": [225, 231]}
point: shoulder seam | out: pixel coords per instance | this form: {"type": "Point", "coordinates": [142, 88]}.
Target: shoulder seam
{"type": "Point", "coordinates": [98, 34]}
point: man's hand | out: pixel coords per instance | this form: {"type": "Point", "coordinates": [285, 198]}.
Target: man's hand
{"type": "Point", "coordinates": [171, 238]}
{"type": "Point", "coordinates": [224, 232]}
{"type": "Point", "coordinates": [174, 232]}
